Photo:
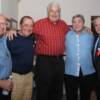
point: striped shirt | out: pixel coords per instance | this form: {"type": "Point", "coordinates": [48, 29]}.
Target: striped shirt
{"type": "Point", "coordinates": [5, 60]}
{"type": "Point", "coordinates": [50, 37]}
{"type": "Point", "coordinates": [79, 53]}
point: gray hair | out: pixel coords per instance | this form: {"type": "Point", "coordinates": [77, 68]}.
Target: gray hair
{"type": "Point", "coordinates": [52, 5]}
{"type": "Point", "coordinates": [79, 16]}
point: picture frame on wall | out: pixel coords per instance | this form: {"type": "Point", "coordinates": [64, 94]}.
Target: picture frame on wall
{"type": "Point", "coordinates": [8, 24]}
{"type": "Point", "coordinates": [14, 24]}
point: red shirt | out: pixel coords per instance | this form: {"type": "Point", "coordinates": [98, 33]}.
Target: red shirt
{"type": "Point", "coordinates": [50, 37]}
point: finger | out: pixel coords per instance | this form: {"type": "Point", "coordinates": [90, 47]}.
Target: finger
{"type": "Point", "coordinates": [8, 36]}
{"type": "Point", "coordinates": [11, 84]}
{"type": "Point", "coordinates": [15, 34]}
{"type": "Point", "coordinates": [9, 89]}
{"type": "Point", "coordinates": [12, 37]}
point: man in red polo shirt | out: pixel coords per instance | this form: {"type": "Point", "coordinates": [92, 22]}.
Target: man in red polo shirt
{"type": "Point", "coordinates": [50, 33]}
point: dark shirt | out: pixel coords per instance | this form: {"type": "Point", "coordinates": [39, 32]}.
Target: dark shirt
{"type": "Point", "coordinates": [96, 56]}
{"type": "Point", "coordinates": [22, 51]}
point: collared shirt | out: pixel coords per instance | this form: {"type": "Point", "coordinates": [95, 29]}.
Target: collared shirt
{"type": "Point", "coordinates": [97, 45]}
{"type": "Point", "coordinates": [5, 60]}
{"type": "Point", "coordinates": [50, 37]}
{"type": "Point", "coordinates": [79, 53]}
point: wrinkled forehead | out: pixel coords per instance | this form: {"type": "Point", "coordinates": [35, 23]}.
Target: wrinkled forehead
{"type": "Point", "coordinates": [54, 6]}
{"type": "Point", "coordinates": [97, 21]}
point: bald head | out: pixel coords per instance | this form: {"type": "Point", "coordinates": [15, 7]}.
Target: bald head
{"type": "Point", "coordinates": [2, 17]}
{"type": "Point", "coordinates": [54, 5]}
{"type": "Point", "coordinates": [97, 24]}
{"type": "Point", "coordinates": [54, 12]}
{"type": "Point", "coordinates": [2, 24]}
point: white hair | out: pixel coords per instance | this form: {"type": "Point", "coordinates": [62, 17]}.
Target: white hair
{"type": "Point", "coordinates": [53, 4]}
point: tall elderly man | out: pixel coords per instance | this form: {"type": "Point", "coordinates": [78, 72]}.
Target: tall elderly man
{"type": "Point", "coordinates": [50, 34]}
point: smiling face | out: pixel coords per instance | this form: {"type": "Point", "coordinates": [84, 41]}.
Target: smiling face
{"type": "Point", "coordinates": [2, 25]}
{"type": "Point", "coordinates": [26, 27]}
{"type": "Point", "coordinates": [97, 25]}
{"type": "Point", "coordinates": [54, 13]}
{"type": "Point", "coordinates": [78, 24]}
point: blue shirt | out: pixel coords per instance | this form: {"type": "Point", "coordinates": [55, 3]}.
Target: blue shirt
{"type": "Point", "coordinates": [79, 53]}
{"type": "Point", "coordinates": [97, 46]}
{"type": "Point", "coordinates": [5, 60]}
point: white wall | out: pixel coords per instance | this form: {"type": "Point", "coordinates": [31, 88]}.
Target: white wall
{"type": "Point", "coordinates": [0, 5]}
{"type": "Point", "coordinates": [37, 8]}
{"type": "Point", "coordinates": [9, 8]}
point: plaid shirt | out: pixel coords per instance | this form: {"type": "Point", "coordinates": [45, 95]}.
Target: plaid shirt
{"type": "Point", "coordinates": [50, 37]}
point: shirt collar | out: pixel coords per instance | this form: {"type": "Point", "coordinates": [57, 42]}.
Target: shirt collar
{"type": "Point", "coordinates": [82, 32]}
{"type": "Point", "coordinates": [53, 23]}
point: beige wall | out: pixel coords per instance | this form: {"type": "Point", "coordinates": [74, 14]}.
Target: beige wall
{"type": "Point", "coordinates": [0, 5]}
{"type": "Point", "coordinates": [37, 8]}
{"type": "Point", "coordinates": [9, 8]}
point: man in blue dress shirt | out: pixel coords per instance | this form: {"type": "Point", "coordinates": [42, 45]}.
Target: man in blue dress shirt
{"type": "Point", "coordinates": [79, 69]}
{"type": "Point", "coordinates": [5, 62]}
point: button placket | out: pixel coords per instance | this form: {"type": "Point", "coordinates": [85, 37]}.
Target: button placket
{"type": "Point", "coordinates": [78, 55]}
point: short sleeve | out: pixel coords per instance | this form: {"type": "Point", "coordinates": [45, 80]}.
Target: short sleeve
{"type": "Point", "coordinates": [37, 28]}
{"type": "Point", "coordinates": [66, 28]}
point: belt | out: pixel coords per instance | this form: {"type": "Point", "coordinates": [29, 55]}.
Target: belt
{"type": "Point", "coordinates": [49, 56]}
{"type": "Point", "coordinates": [21, 73]}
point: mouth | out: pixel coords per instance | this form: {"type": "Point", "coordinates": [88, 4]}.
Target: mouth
{"type": "Point", "coordinates": [77, 28]}
{"type": "Point", "coordinates": [98, 30]}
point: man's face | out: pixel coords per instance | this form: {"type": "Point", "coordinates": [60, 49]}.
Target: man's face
{"type": "Point", "coordinates": [78, 24]}
{"type": "Point", "coordinates": [97, 25]}
{"type": "Point", "coordinates": [54, 14]}
{"type": "Point", "coordinates": [27, 27]}
{"type": "Point", "coordinates": [2, 25]}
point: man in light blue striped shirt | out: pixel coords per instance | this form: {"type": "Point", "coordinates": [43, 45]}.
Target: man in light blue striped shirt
{"type": "Point", "coordinates": [5, 62]}
{"type": "Point", "coordinates": [79, 69]}
{"type": "Point", "coordinates": [79, 53]}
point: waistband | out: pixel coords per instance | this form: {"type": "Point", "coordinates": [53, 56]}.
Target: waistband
{"type": "Point", "coordinates": [22, 73]}
{"type": "Point", "coordinates": [50, 56]}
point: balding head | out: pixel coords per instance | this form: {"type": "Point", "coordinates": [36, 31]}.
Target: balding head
{"type": "Point", "coordinates": [54, 12]}
{"type": "Point", "coordinates": [53, 5]}
{"type": "Point", "coordinates": [2, 24]}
